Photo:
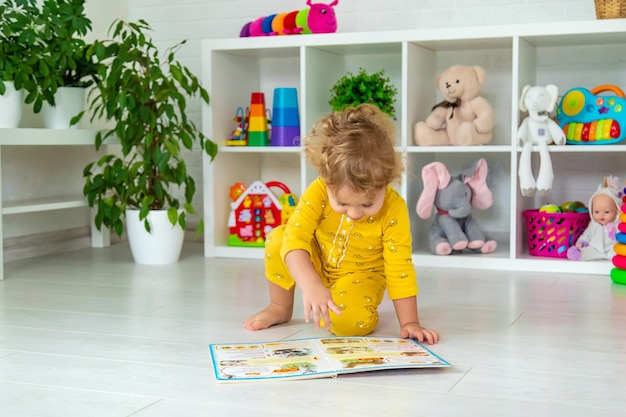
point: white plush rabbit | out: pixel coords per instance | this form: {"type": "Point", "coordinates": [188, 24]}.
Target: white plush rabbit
{"type": "Point", "coordinates": [540, 130]}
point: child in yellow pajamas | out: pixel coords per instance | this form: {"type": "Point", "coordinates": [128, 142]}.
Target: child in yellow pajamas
{"type": "Point", "coordinates": [349, 238]}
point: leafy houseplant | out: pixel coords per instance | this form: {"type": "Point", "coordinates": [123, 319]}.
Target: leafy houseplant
{"type": "Point", "coordinates": [42, 49]}
{"type": "Point", "coordinates": [19, 44]}
{"type": "Point", "coordinates": [67, 68]}
{"type": "Point", "coordinates": [145, 96]}
{"type": "Point", "coordinates": [352, 90]}
{"type": "Point", "coordinates": [63, 26]}
{"type": "Point", "coordinates": [64, 61]}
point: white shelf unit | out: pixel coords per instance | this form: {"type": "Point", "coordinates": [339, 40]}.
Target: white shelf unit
{"type": "Point", "coordinates": [44, 137]}
{"type": "Point", "coordinates": [566, 54]}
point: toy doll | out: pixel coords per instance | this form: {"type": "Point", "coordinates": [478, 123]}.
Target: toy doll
{"type": "Point", "coordinates": [598, 240]}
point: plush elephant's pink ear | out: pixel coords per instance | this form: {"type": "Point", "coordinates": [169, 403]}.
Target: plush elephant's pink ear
{"type": "Point", "coordinates": [481, 194]}
{"type": "Point", "coordinates": [435, 177]}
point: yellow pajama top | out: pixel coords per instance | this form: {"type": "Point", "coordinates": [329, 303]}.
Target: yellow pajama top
{"type": "Point", "coordinates": [380, 243]}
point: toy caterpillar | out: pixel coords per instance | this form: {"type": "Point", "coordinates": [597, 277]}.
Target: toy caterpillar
{"type": "Point", "coordinates": [317, 18]}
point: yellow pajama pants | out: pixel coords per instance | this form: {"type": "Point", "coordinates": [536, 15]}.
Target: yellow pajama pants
{"type": "Point", "coordinates": [357, 293]}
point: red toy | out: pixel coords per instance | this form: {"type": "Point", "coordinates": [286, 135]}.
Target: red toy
{"type": "Point", "coordinates": [256, 211]}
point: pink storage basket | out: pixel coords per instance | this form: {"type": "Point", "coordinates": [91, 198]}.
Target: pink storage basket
{"type": "Point", "coordinates": [551, 234]}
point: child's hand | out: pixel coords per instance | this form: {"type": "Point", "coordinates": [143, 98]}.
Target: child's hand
{"type": "Point", "coordinates": [319, 301]}
{"type": "Point", "coordinates": [421, 334]}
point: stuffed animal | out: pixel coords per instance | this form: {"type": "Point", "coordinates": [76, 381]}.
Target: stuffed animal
{"type": "Point", "coordinates": [317, 18]}
{"type": "Point", "coordinates": [538, 129]}
{"type": "Point", "coordinates": [454, 228]}
{"type": "Point", "coordinates": [463, 117]}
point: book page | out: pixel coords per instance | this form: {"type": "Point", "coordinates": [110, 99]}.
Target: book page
{"type": "Point", "coordinates": [355, 354]}
{"type": "Point", "coordinates": [282, 359]}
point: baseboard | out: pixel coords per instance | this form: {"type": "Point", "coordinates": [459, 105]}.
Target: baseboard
{"type": "Point", "coordinates": [50, 243]}
{"type": "Point", "coordinates": [40, 244]}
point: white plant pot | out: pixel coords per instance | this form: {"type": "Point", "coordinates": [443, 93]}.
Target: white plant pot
{"type": "Point", "coordinates": [159, 247]}
{"type": "Point", "coordinates": [68, 102]}
{"type": "Point", "coordinates": [11, 106]}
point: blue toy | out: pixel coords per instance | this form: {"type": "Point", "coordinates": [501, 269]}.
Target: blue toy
{"type": "Point", "coordinates": [590, 119]}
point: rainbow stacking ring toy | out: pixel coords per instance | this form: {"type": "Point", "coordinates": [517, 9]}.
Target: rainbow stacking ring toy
{"type": "Point", "coordinates": [618, 273]}
{"type": "Point", "coordinates": [618, 276]}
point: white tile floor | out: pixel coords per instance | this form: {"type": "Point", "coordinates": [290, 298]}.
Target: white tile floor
{"type": "Point", "coordinates": [91, 334]}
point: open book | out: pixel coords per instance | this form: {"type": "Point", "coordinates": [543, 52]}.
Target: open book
{"type": "Point", "coordinates": [318, 357]}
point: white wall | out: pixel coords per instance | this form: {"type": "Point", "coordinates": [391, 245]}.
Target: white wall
{"type": "Point", "coordinates": [173, 20]}
{"type": "Point", "coordinates": [195, 20]}
{"type": "Point", "coordinates": [102, 13]}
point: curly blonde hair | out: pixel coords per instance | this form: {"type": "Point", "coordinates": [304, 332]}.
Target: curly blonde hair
{"type": "Point", "coordinates": [355, 148]}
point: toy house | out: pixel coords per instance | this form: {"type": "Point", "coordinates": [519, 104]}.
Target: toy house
{"type": "Point", "coordinates": [256, 211]}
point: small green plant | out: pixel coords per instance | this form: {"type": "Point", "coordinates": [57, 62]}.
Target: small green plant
{"type": "Point", "coordinates": [352, 90]}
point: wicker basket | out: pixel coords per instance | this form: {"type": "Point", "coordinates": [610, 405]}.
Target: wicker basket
{"type": "Point", "coordinates": [610, 9]}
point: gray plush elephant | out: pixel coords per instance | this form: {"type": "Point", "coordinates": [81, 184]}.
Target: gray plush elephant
{"type": "Point", "coordinates": [454, 227]}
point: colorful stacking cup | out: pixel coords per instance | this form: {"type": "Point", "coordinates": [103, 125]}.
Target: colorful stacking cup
{"type": "Point", "coordinates": [257, 125]}
{"type": "Point", "coordinates": [285, 97]}
{"type": "Point", "coordinates": [257, 98]}
{"type": "Point", "coordinates": [285, 118]}
{"type": "Point", "coordinates": [285, 136]}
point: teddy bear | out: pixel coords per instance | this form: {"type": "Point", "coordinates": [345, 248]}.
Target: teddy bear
{"type": "Point", "coordinates": [463, 117]}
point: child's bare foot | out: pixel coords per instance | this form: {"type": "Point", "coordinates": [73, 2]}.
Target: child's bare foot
{"type": "Point", "coordinates": [271, 315]}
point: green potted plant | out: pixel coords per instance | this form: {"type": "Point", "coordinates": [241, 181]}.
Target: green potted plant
{"type": "Point", "coordinates": [20, 46]}
{"type": "Point", "coordinates": [144, 94]}
{"type": "Point", "coordinates": [42, 50]}
{"type": "Point", "coordinates": [63, 25]}
{"type": "Point", "coordinates": [354, 89]}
